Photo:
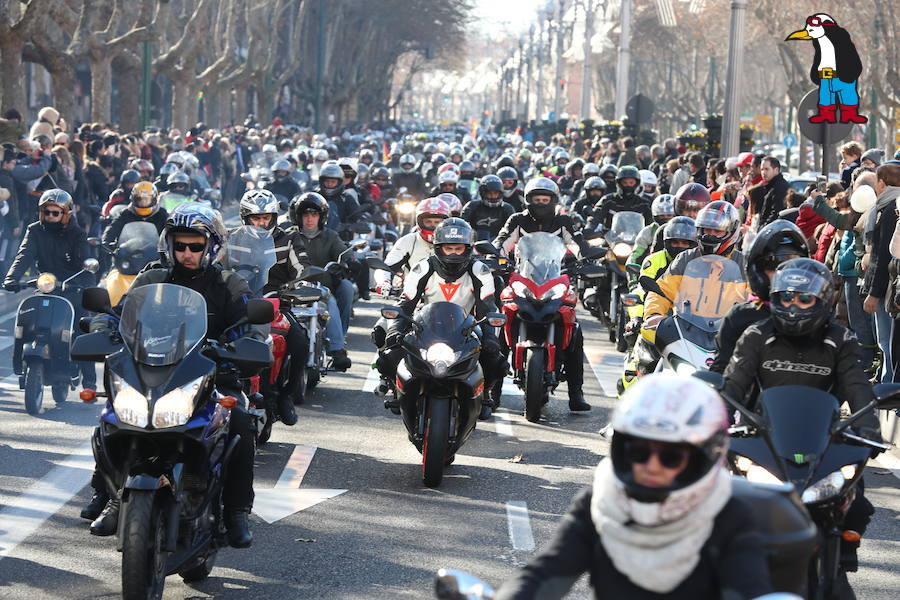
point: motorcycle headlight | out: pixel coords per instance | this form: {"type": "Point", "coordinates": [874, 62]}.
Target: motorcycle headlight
{"type": "Point", "coordinates": [406, 208]}
{"type": "Point", "coordinates": [596, 242]}
{"type": "Point", "coordinates": [440, 356]}
{"type": "Point", "coordinates": [130, 405]}
{"type": "Point", "coordinates": [46, 282]}
{"type": "Point", "coordinates": [755, 473]}
{"type": "Point", "coordinates": [521, 290]}
{"type": "Point", "coordinates": [622, 250]}
{"type": "Point", "coordinates": [829, 486]}
{"type": "Point", "coordinates": [176, 407]}
{"type": "Point", "coordinates": [555, 293]}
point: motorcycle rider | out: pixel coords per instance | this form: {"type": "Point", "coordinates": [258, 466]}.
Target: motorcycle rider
{"type": "Point", "coordinates": [512, 195]}
{"type": "Point", "coordinates": [448, 183]}
{"type": "Point", "coordinates": [659, 520]}
{"type": "Point", "coordinates": [777, 242]}
{"type": "Point", "coordinates": [192, 243]}
{"type": "Point", "coordinates": [144, 206]}
{"type": "Point", "coordinates": [800, 344]}
{"type": "Point", "coordinates": [309, 213]}
{"type": "Point", "coordinates": [341, 205]}
{"type": "Point", "coordinates": [718, 227]}
{"type": "Point", "coordinates": [179, 191]}
{"type": "Point", "coordinates": [489, 213]}
{"type": "Point", "coordinates": [648, 185]}
{"type": "Point", "coordinates": [260, 208]}
{"type": "Point", "coordinates": [381, 177]}
{"type": "Point", "coordinates": [663, 210]}
{"type": "Point", "coordinates": [608, 174]}
{"type": "Point", "coordinates": [451, 274]}
{"type": "Point", "coordinates": [122, 194]}
{"type": "Point", "coordinates": [162, 181]}
{"type": "Point", "coordinates": [467, 179]}
{"type": "Point", "coordinates": [409, 178]}
{"type": "Point", "coordinates": [541, 199]}
{"type": "Point", "coordinates": [56, 245]}
{"type": "Point", "coordinates": [283, 185]}
{"type": "Point", "coordinates": [689, 199]}
{"type": "Point", "coordinates": [574, 170]}
{"type": "Point", "coordinates": [625, 198]}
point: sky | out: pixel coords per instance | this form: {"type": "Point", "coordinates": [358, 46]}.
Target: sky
{"type": "Point", "coordinates": [517, 14]}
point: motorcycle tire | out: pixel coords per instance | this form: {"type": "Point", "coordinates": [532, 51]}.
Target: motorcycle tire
{"type": "Point", "coordinates": [434, 446]}
{"type": "Point", "coordinates": [621, 343]}
{"type": "Point", "coordinates": [266, 432]}
{"type": "Point", "coordinates": [312, 378]}
{"type": "Point", "coordinates": [34, 387]}
{"type": "Point", "coordinates": [201, 571]}
{"type": "Point", "coordinates": [143, 558]}
{"type": "Point", "coordinates": [535, 390]}
{"type": "Point", "coordinates": [60, 392]}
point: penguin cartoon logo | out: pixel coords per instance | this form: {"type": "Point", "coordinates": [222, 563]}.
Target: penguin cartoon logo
{"type": "Point", "coordinates": [836, 68]}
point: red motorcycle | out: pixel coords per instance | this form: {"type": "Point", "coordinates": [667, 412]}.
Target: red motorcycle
{"type": "Point", "coordinates": [539, 305]}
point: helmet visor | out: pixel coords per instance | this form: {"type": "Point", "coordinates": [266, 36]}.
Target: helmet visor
{"type": "Point", "coordinates": [800, 280]}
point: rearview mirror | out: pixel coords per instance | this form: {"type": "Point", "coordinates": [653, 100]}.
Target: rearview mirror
{"type": "Point", "coordinates": [91, 264]}
{"type": "Point", "coordinates": [712, 379]}
{"type": "Point", "coordinates": [649, 284]}
{"type": "Point", "coordinates": [451, 584]}
{"type": "Point", "coordinates": [486, 247]}
{"type": "Point", "coordinates": [259, 311]}
{"type": "Point", "coordinates": [631, 299]}
{"type": "Point", "coordinates": [633, 268]}
{"type": "Point", "coordinates": [96, 299]}
{"type": "Point", "coordinates": [390, 313]}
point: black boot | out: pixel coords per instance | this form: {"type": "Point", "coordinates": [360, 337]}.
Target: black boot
{"type": "Point", "coordinates": [286, 409]}
{"type": "Point", "coordinates": [339, 360]}
{"type": "Point", "coordinates": [237, 524]}
{"type": "Point", "coordinates": [496, 391]}
{"type": "Point", "coordinates": [95, 506]}
{"type": "Point", "coordinates": [576, 401]}
{"type": "Point", "coordinates": [486, 411]}
{"type": "Point", "coordinates": [108, 521]}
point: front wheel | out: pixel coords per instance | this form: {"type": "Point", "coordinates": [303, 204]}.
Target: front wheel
{"type": "Point", "coordinates": [434, 447]}
{"type": "Point", "coordinates": [535, 390]}
{"type": "Point", "coordinates": [143, 558]}
{"type": "Point", "coordinates": [60, 392]}
{"type": "Point", "coordinates": [34, 387]}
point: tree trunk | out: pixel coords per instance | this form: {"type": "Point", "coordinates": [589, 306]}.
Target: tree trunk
{"type": "Point", "coordinates": [240, 104]}
{"type": "Point", "coordinates": [129, 85]}
{"type": "Point", "coordinates": [212, 106]}
{"type": "Point", "coordinates": [12, 92]}
{"type": "Point", "coordinates": [101, 89]}
{"type": "Point", "coordinates": [180, 103]}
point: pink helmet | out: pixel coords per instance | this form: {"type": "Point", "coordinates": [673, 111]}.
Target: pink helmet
{"type": "Point", "coordinates": [453, 202]}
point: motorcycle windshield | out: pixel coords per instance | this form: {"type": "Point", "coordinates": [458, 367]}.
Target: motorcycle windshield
{"type": "Point", "coordinates": [625, 227]}
{"type": "Point", "coordinates": [709, 287]}
{"type": "Point", "coordinates": [540, 256]}
{"type": "Point", "coordinates": [250, 252]}
{"type": "Point", "coordinates": [136, 247]}
{"type": "Point", "coordinates": [442, 322]}
{"type": "Point", "coordinates": [800, 419]}
{"type": "Point", "coordinates": [162, 322]}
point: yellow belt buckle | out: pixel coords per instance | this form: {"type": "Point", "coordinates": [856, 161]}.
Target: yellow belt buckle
{"type": "Point", "coordinates": [827, 73]}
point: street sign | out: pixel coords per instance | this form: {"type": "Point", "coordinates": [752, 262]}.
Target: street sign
{"type": "Point", "coordinates": [639, 109]}
{"type": "Point", "coordinates": [817, 132]}
{"type": "Point", "coordinates": [790, 140]}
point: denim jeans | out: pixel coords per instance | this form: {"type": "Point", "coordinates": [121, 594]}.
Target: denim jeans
{"type": "Point", "coordinates": [834, 91]}
{"type": "Point", "coordinates": [861, 322]}
{"type": "Point", "coordinates": [883, 324]}
{"type": "Point", "coordinates": [333, 328]}
{"type": "Point", "coordinates": [343, 294]}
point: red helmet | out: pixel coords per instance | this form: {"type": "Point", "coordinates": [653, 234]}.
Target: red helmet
{"type": "Point", "coordinates": [691, 197]}
{"type": "Point", "coordinates": [430, 207]}
{"type": "Point", "coordinates": [453, 202]}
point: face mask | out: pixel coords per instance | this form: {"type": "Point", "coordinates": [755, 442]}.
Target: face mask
{"type": "Point", "coordinates": [541, 211]}
{"type": "Point", "coordinates": [310, 233]}
{"type": "Point", "coordinates": [53, 226]}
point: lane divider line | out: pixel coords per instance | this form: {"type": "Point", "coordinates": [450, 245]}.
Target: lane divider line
{"type": "Point", "coordinates": [607, 368]}
{"type": "Point", "coordinates": [503, 424]}
{"type": "Point", "coordinates": [520, 534]}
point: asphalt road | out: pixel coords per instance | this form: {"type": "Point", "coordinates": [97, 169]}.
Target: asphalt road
{"type": "Point", "coordinates": [386, 535]}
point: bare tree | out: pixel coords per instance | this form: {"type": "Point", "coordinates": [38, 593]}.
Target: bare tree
{"type": "Point", "coordinates": [17, 22]}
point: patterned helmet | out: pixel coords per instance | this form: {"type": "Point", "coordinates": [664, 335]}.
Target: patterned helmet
{"type": "Point", "coordinates": [430, 207]}
{"type": "Point", "coordinates": [196, 219]}
{"type": "Point", "coordinates": [259, 202]}
{"type": "Point", "coordinates": [144, 199]}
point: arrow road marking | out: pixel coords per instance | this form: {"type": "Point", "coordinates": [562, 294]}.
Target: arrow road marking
{"type": "Point", "coordinates": [285, 498]}
{"type": "Point", "coordinates": [520, 534]}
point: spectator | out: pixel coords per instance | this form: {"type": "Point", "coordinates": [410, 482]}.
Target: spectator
{"type": "Point", "coordinates": [808, 218]}
{"type": "Point", "coordinates": [697, 168]}
{"type": "Point", "coordinates": [48, 118]}
{"type": "Point", "coordinates": [776, 190]}
{"type": "Point", "coordinates": [681, 175]}
{"type": "Point", "coordinates": [11, 129]}
{"type": "Point", "coordinates": [791, 213]}
{"type": "Point", "coordinates": [851, 152]}
{"type": "Point", "coordinates": [628, 155]}
{"type": "Point", "coordinates": [658, 162]}
{"type": "Point", "coordinates": [642, 153]}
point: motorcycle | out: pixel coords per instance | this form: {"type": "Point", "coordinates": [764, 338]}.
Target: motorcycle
{"type": "Point", "coordinates": [711, 285]}
{"type": "Point", "coordinates": [604, 299]}
{"type": "Point", "coordinates": [43, 339]}
{"type": "Point", "coordinates": [439, 383]}
{"type": "Point", "coordinates": [797, 437]}
{"type": "Point", "coordinates": [162, 443]}
{"type": "Point", "coordinates": [539, 305]}
{"type": "Point", "coordinates": [136, 248]}
{"type": "Point", "coordinates": [404, 211]}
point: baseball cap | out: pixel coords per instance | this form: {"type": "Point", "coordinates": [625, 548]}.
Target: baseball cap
{"type": "Point", "coordinates": [744, 159]}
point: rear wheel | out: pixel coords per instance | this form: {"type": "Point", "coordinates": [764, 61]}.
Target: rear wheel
{"type": "Point", "coordinates": [312, 378]}
{"type": "Point", "coordinates": [434, 447]}
{"type": "Point", "coordinates": [34, 387]}
{"type": "Point", "coordinates": [266, 432]}
{"type": "Point", "coordinates": [60, 392]}
{"type": "Point", "coordinates": [535, 390]}
{"type": "Point", "coordinates": [143, 558]}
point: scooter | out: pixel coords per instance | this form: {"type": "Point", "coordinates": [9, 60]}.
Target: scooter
{"type": "Point", "coordinates": [43, 339]}
{"type": "Point", "coordinates": [162, 444]}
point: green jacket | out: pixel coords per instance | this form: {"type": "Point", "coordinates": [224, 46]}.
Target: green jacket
{"type": "Point", "coordinates": [322, 249]}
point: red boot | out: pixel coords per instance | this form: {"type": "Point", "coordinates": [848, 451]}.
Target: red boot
{"type": "Point", "coordinates": [850, 114]}
{"type": "Point", "coordinates": [827, 114]}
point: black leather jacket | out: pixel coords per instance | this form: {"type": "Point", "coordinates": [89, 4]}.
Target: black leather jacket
{"type": "Point", "coordinates": [484, 218]}
{"type": "Point", "coordinates": [58, 251]}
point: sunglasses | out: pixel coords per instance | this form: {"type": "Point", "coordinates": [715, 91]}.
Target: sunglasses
{"type": "Point", "coordinates": [52, 213]}
{"type": "Point", "coordinates": [669, 456]}
{"type": "Point", "coordinates": [194, 247]}
{"type": "Point", "coordinates": [816, 22]}
{"type": "Point", "coordinates": [802, 297]}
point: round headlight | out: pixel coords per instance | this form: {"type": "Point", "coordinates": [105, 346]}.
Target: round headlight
{"type": "Point", "coordinates": [46, 282]}
{"type": "Point", "coordinates": [440, 353]}
{"type": "Point", "coordinates": [406, 208]}
{"type": "Point", "coordinates": [622, 250]}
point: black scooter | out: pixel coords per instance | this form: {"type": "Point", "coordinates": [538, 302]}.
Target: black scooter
{"type": "Point", "coordinates": [43, 338]}
{"type": "Point", "coordinates": [162, 444]}
{"type": "Point", "coordinates": [439, 384]}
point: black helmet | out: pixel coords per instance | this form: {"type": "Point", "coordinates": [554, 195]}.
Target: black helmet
{"type": "Point", "coordinates": [508, 174]}
{"type": "Point", "coordinates": [608, 173]}
{"type": "Point", "coordinates": [628, 172]}
{"type": "Point", "coordinates": [594, 183]}
{"type": "Point", "coordinates": [506, 160]}
{"type": "Point", "coordinates": [259, 202]}
{"type": "Point", "coordinates": [679, 228]}
{"type": "Point", "coordinates": [803, 276]}
{"type": "Point", "coordinates": [467, 169]}
{"type": "Point", "coordinates": [380, 173]}
{"type": "Point", "coordinates": [718, 215]}
{"type": "Point", "coordinates": [691, 197]}
{"type": "Point", "coordinates": [452, 231]}
{"type": "Point", "coordinates": [544, 186]}
{"type": "Point", "coordinates": [331, 170]}
{"type": "Point", "coordinates": [129, 176]}
{"type": "Point", "coordinates": [308, 202]}
{"type": "Point", "coordinates": [491, 183]}
{"type": "Point", "coordinates": [179, 183]}
{"type": "Point", "coordinates": [777, 242]}
{"type": "Point", "coordinates": [573, 165]}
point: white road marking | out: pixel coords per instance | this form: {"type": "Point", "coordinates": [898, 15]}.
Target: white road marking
{"type": "Point", "coordinates": [371, 381]}
{"type": "Point", "coordinates": [6, 341]}
{"type": "Point", "coordinates": [889, 462]}
{"type": "Point", "coordinates": [607, 367]}
{"type": "Point", "coordinates": [44, 498]}
{"type": "Point", "coordinates": [503, 424]}
{"type": "Point", "coordinates": [296, 467]}
{"type": "Point", "coordinates": [8, 316]}
{"type": "Point", "coordinates": [520, 534]}
{"type": "Point", "coordinates": [510, 388]}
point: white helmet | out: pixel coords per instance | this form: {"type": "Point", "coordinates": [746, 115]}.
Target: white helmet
{"type": "Point", "coordinates": [320, 155]}
{"type": "Point", "coordinates": [408, 159]}
{"type": "Point", "coordinates": [448, 176]}
{"type": "Point", "coordinates": [671, 409]}
{"type": "Point", "coordinates": [269, 149]}
{"type": "Point", "coordinates": [176, 158]}
{"type": "Point", "coordinates": [648, 178]}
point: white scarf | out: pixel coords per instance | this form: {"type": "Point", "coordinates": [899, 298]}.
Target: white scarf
{"type": "Point", "coordinates": [656, 545]}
